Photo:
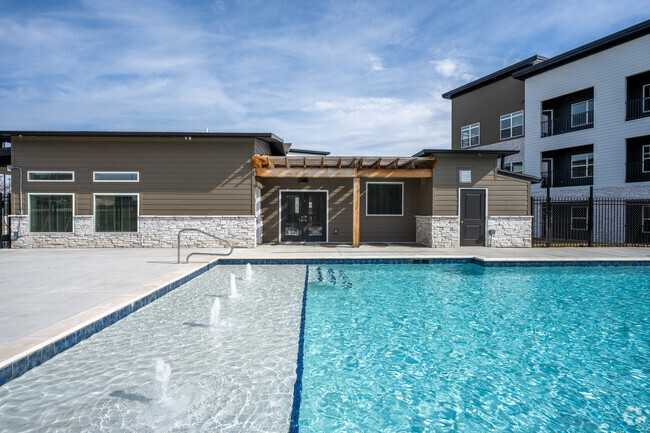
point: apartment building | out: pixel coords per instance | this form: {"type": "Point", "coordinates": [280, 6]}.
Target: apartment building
{"type": "Point", "coordinates": [588, 117]}
{"type": "Point", "coordinates": [488, 113]}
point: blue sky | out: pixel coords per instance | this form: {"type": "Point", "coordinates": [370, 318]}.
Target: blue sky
{"type": "Point", "coordinates": [350, 77]}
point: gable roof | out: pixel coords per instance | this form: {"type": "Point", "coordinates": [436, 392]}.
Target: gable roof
{"type": "Point", "coordinates": [495, 76]}
{"type": "Point", "coordinates": [594, 47]}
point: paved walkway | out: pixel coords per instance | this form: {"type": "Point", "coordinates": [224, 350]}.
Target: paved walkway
{"type": "Point", "coordinates": [45, 292]}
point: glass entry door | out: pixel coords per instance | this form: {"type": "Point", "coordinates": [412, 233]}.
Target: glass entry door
{"type": "Point", "coordinates": [303, 216]}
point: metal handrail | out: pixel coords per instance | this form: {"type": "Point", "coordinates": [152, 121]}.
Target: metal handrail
{"type": "Point", "coordinates": [178, 258]}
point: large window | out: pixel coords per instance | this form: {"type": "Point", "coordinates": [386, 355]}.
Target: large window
{"type": "Point", "coordinates": [582, 113]}
{"type": "Point", "coordinates": [579, 216]}
{"type": "Point", "coordinates": [645, 154]}
{"type": "Point", "coordinates": [469, 135]}
{"type": "Point", "coordinates": [50, 176]}
{"type": "Point", "coordinates": [512, 125]}
{"type": "Point", "coordinates": [116, 176]}
{"type": "Point", "coordinates": [50, 212]}
{"type": "Point", "coordinates": [116, 213]}
{"type": "Point", "coordinates": [384, 198]}
{"type": "Point", "coordinates": [582, 165]}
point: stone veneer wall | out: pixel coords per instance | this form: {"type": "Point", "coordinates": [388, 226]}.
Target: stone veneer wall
{"type": "Point", "coordinates": [437, 231]}
{"type": "Point", "coordinates": [153, 232]}
{"type": "Point", "coordinates": [510, 231]}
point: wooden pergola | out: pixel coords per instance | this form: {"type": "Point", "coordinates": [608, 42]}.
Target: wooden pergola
{"type": "Point", "coordinates": [344, 167]}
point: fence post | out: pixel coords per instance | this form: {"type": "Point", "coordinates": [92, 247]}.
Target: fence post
{"type": "Point", "coordinates": [590, 217]}
{"type": "Point", "coordinates": [548, 223]}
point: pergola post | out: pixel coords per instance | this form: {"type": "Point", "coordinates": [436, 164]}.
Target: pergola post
{"type": "Point", "coordinates": [356, 188]}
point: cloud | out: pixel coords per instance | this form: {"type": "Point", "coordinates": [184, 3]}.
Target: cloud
{"type": "Point", "coordinates": [450, 68]}
{"type": "Point", "coordinates": [376, 64]}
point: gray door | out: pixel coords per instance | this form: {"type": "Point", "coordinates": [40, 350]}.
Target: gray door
{"type": "Point", "coordinates": [472, 217]}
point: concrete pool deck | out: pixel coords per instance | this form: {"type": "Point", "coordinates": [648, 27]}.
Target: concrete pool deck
{"type": "Point", "coordinates": [46, 293]}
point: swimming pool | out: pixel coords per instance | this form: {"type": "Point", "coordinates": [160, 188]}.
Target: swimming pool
{"type": "Point", "coordinates": [387, 347]}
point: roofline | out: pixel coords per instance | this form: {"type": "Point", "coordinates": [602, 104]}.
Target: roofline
{"type": "Point", "coordinates": [522, 176]}
{"type": "Point", "coordinates": [433, 152]}
{"type": "Point", "coordinates": [268, 137]}
{"type": "Point", "coordinates": [309, 152]}
{"type": "Point", "coordinates": [594, 47]}
{"type": "Point", "coordinates": [495, 76]}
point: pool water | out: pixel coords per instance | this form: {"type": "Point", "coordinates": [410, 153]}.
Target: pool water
{"type": "Point", "coordinates": [463, 348]}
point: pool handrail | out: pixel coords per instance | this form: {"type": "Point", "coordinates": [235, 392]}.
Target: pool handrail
{"type": "Point", "coordinates": [178, 257]}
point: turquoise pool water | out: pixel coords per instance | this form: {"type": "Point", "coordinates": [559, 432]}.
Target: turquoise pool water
{"type": "Point", "coordinates": [463, 348]}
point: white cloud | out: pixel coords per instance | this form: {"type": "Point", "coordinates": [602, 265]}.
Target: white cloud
{"type": "Point", "coordinates": [376, 63]}
{"type": "Point", "coordinates": [450, 68]}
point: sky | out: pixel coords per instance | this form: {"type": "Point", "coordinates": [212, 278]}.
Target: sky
{"type": "Point", "coordinates": [352, 78]}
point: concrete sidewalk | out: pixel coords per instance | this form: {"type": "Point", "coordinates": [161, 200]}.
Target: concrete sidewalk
{"type": "Point", "coordinates": [44, 292]}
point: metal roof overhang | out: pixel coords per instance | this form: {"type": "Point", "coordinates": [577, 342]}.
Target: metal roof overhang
{"type": "Point", "coordinates": [461, 152]}
{"type": "Point", "coordinates": [276, 143]}
{"type": "Point", "coordinates": [343, 167]}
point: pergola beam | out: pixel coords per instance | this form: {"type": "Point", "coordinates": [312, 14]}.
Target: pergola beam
{"type": "Point", "coordinates": [342, 172]}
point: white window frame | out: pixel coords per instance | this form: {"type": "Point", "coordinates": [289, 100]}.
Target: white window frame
{"type": "Point", "coordinates": [114, 194]}
{"type": "Point", "coordinates": [137, 176]}
{"type": "Point", "coordinates": [385, 215]}
{"type": "Point", "coordinates": [49, 172]}
{"type": "Point", "coordinates": [586, 218]}
{"type": "Point", "coordinates": [645, 90]}
{"type": "Point", "coordinates": [645, 216]}
{"type": "Point", "coordinates": [586, 166]}
{"type": "Point", "coordinates": [645, 156]}
{"type": "Point", "coordinates": [587, 110]}
{"type": "Point", "coordinates": [511, 116]}
{"type": "Point", "coordinates": [470, 128]}
{"type": "Point", "coordinates": [29, 210]}
{"type": "Point", "coordinates": [508, 166]}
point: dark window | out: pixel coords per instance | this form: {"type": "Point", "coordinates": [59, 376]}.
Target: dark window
{"type": "Point", "coordinates": [116, 213]}
{"type": "Point", "coordinates": [579, 218]}
{"type": "Point", "coordinates": [50, 213]}
{"type": "Point", "coordinates": [50, 176]}
{"type": "Point", "coordinates": [384, 198]}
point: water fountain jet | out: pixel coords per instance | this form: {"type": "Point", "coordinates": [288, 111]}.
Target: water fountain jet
{"type": "Point", "coordinates": [215, 313]}
{"type": "Point", "coordinates": [249, 272]}
{"type": "Point", "coordinates": [233, 287]}
{"type": "Point", "coordinates": [161, 376]}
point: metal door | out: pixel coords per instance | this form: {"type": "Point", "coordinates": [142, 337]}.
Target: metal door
{"type": "Point", "coordinates": [472, 217]}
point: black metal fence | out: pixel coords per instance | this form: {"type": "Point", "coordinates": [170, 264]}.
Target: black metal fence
{"type": "Point", "coordinates": [5, 228]}
{"type": "Point", "coordinates": [637, 108]}
{"type": "Point", "coordinates": [564, 124]}
{"type": "Point", "coordinates": [590, 221]}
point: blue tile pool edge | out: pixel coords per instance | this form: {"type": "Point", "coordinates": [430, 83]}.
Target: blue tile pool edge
{"type": "Point", "coordinates": [439, 260]}
{"type": "Point", "coordinates": [39, 356]}
{"type": "Point", "coordinates": [294, 426]}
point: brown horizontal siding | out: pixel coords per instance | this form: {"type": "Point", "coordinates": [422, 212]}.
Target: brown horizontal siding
{"type": "Point", "coordinates": [506, 196]}
{"type": "Point", "coordinates": [486, 105]}
{"type": "Point", "coordinates": [390, 228]}
{"type": "Point", "coordinates": [177, 176]}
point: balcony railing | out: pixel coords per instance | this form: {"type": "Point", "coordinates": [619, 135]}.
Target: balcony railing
{"type": "Point", "coordinates": [637, 171]}
{"type": "Point", "coordinates": [564, 124]}
{"type": "Point", "coordinates": [637, 108]}
{"type": "Point", "coordinates": [575, 177]}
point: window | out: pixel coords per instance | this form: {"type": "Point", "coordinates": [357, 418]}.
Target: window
{"type": "Point", "coordinates": [645, 219]}
{"type": "Point", "coordinates": [645, 157]}
{"type": "Point", "coordinates": [512, 125]}
{"type": "Point", "coordinates": [116, 213]}
{"type": "Point", "coordinates": [50, 176]}
{"type": "Point", "coordinates": [582, 165]}
{"type": "Point", "coordinates": [469, 135]}
{"type": "Point", "coordinates": [515, 167]}
{"type": "Point", "coordinates": [579, 218]}
{"type": "Point", "coordinates": [50, 212]}
{"type": "Point", "coordinates": [116, 176]}
{"type": "Point", "coordinates": [384, 198]}
{"type": "Point", "coordinates": [646, 98]}
{"type": "Point", "coordinates": [582, 113]}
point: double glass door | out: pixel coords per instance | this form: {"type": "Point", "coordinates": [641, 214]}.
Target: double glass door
{"type": "Point", "coordinates": [303, 216]}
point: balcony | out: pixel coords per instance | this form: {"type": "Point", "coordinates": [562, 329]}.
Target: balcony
{"type": "Point", "coordinates": [637, 171]}
{"type": "Point", "coordinates": [637, 108]}
{"type": "Point", "coordinates": [562, 178]}
{"type": "Point", "coordinates": [564, 124]}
